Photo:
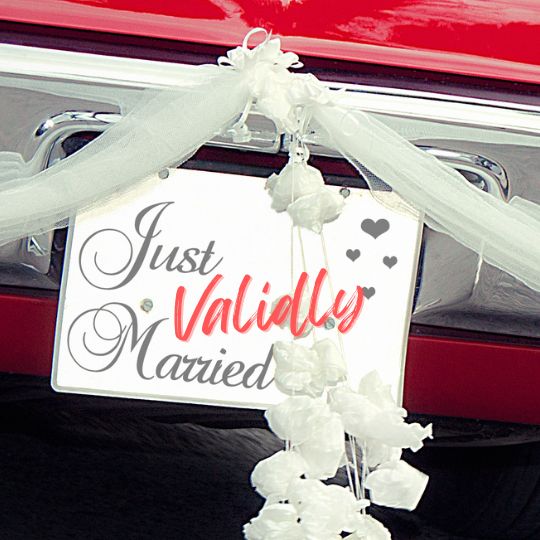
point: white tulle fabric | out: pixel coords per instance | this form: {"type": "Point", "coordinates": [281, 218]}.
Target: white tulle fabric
{"type": "Point", "coordinates": [166, 129]}
{"type": "Point", "coordinates": [167, 126]}
{"type": "Point", "coordinates": [500, 232]}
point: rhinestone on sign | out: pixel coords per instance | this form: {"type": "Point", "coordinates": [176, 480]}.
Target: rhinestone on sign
{"type": "Point", "coordinates": [164, 173]}
{"type": "Point", "coordinates": [330, 323]}
{"type": "Point", "coordinates": [147, 305]}
{"type": "Point", "coordinates": [344, 192]}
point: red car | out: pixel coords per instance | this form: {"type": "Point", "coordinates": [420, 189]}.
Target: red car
{"type": "Point", "coordinates": [459, 79]}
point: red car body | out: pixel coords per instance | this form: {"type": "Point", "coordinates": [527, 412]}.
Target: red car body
{"type": "Point", "coordinates": [479, 376]}
{"type": "Point", "coordinates": [497, 38]}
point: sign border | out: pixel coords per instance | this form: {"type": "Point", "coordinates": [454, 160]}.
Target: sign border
{"type": "Point", "coordinates": [176, 399]}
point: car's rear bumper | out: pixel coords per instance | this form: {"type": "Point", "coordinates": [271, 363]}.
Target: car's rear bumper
{"type": "Point", "coordinates": [444, 376]}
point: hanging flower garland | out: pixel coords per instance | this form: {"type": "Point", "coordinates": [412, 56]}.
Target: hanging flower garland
{"type": "Point", "coordinates": [324, 423]}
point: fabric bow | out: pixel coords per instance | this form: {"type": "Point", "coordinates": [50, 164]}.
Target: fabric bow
{"type": "Point", "coordinates": [278, 95]}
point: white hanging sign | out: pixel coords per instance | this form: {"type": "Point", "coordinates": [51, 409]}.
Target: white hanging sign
{"type": "Point", "coordinates": [167, 291]}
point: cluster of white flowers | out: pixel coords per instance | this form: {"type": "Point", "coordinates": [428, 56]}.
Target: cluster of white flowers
{"type": "Point", "coordinates": [298, 189]}
{"type": "Point", "coordinates": [322, 414]}
{"type": "Point", "coordinates": [277, 95]}
{"type": "Point", "coordinates": [315, 425]}
{"type": "Point", "coordinates": [300, 370]}
{"type": "Point", "coordinates": [313, 510]}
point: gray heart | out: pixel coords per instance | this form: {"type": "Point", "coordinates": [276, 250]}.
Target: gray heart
{"type": "Point", "coordinates": [353, 254]}
{"type": "Point", "coordinates": [375, 228]}
{"type": "Point", "coordinates": [368, 292]}
{"type": "Point", "coordinates": [390, 261]}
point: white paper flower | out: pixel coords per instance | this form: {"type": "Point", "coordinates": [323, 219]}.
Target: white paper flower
{"type": "Point", "coordinates": [272, 476]}
{"type": "Point", "coordinates": [324, 450]}
{"type": "Point", "coordinates": [298, 369]}
{"type": "Point", "coordinates": [325, 510]}
{"type": "Point", "coordinates": [295, 180]}
{"type": "Point", "coordinates": [388, 425]}
{"type": "Point", "coordinates": [274, 102]}
{"type": "Point", "coordinates": [396, 484]}
{"type": "Point", "coordinates": [356, 411]}
{"type": "Point", "coordinates": [314, 210]}
{"type": "Point", "coordinates": [275, 522]}
{"type": "Point", "coordinates": [391, 429]}
{"type": "Point", "coordinates": [303, 492]}
{"type": "Point", "coordinates": [285, 99]}
{"type": "Point", "coordinates": [378, 452]}
{"type": "Point", "coordinates": [306, 89]}
{"type": "Point", "coordinates": [303, 313]}
{"type": "Point", "coordinates": [346, 507]}
{"type": "Point", "coordinates": [296, 418]}
{"type": "Point", "coordinates": [332, 361]}
{"type": "Point", "coordinates": [370, 529]}
{"type": "Point", "coordinates": [380, 394]}
{"type": "Point", "coordinates": [375, 417]}
{"type": "Point", "coordinates": [303, 371]}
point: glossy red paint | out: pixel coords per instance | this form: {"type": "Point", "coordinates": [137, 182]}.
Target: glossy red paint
{"type": "Point", "coordinates": [27, 334]}
{"type": "Point", "coordinates": [495, 38]}
{"type": "Point", "coordinates": [447, 377]}
{"type": "Point", "coordinates": [472, 379]}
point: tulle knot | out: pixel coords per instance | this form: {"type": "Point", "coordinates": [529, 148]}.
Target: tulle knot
{"type": "Point", "coordinates": [268, 52]}
{"type": "Point", "coordinates": [277, 94]}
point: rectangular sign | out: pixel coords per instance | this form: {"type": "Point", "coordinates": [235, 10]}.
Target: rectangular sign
{"type": "Point", "coordinates": [142, 267]}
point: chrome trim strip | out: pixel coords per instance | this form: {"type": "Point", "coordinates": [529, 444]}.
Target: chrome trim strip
{"type": "Point", "coordinates": [107, 70]}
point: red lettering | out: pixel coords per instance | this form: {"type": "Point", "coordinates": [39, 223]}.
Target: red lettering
{"type": "Point", "coordinates": [347, 322]}
{"type": "Point", "coordinates": [315, 299]}
{"type": "Point", "coordinates": [264, 326]}
{"type": "Point", "coordinates": [238, 307]}
{"type": "Point", "coordinates": [287, 307]}
{"type": "Point", "coordinates": [296, 330]}
{"type": "Point", "coordinates": [179, 305]}
{"type": "Point", "coordinates": [219, 309]}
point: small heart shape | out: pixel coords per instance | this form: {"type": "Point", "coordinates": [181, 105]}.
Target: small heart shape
{"type": "Point", "coordinates": [368, 292]}
{"type": "Point", "coordinates": [375, 228]}
{"type": "Point", "coordinates": [353, 254]}
{"type": "Point", "coordinates": [390, 261]}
